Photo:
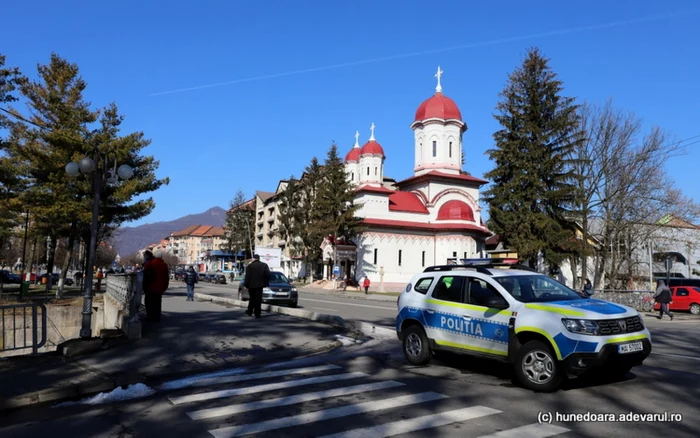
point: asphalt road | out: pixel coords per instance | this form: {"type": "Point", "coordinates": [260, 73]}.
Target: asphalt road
{"type": "Point", "coordinates": [376, 312]}
{"type": "Point", "coordinates": [376, 394]}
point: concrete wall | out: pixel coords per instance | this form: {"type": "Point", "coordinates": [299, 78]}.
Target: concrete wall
{"type": "Point", "coordinates": [63, 321]}
{"type": "Point", "coordinates": [639, 300]}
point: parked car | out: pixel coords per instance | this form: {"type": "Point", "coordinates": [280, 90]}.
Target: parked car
{"type": "Point", "coordinates": [201, 276]}
{"type": "Point", "coordinates": [218, 279]}
{"type": "Point", "coordinates": [684, 299]}
{"type": "Point", "coordinates": [10, 278]}
{"type": "Point", "coordinates": [280, 291]}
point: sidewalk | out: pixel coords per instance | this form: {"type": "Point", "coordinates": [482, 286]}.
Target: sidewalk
{"type": "Point", "coordinates": [373, 296]}
{"type": "Point", "coordinates": [192, 336]}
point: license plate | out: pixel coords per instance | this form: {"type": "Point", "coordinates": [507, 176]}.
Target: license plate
{"type": "Point", "coordinates": [281, 294]}
{"type": "Point", "coordinates": [630, 348]}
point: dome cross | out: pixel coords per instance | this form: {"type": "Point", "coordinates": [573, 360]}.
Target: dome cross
{"type": "Point", "coordinates": [357, 139]}
{"type": "Point", "coordinates": [438, 75]}
{"type": "Point", "coordinates": [371, 129]}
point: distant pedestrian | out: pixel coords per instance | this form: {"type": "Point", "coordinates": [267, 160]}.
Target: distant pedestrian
{"type": "Point", "coordinates": [78, 277]}
{"type": "Point", "coordinates": [588, 288]}
{"type": "Point", "coordinates": [257, 277]}
{"type": "Point", "coordinates": [365, 284]}
{"type": "Point", "coordinates": [191, 278]}
{"type": "Point", "coordinates": [155, 282]}
{"type": "Point", "coordinates": [663, 297]}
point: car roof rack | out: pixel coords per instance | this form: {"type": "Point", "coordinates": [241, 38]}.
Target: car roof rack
{"type": "Point", "coordinates": [480, 265]}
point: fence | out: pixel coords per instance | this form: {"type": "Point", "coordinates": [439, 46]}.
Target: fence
{"type": "Point", "coordinates": [123, 303]}
{"type": "Point", "coordinates": [10, 330]}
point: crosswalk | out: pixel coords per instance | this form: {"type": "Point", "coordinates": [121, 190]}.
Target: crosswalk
{"type": "Point", "coordinates": [284, 402]}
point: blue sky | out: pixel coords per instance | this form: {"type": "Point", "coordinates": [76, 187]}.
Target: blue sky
{"type": "Point", "coordinates": [301, 74]}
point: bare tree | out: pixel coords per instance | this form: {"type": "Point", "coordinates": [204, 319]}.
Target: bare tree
{"type": "Point", "coordinates": [621, 185]}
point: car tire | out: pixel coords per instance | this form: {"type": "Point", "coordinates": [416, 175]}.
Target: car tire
{"type": "Point", "coordinates": [294, 304]}
{"type": "Point", "coordinates": [695, 309]}
{"type": "Point", "coordinates": [416, 348]}
{"type": "Point", "coordinates": [537, 368]}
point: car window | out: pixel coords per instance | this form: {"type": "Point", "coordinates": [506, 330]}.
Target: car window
{"type": "Point", "coordinates": [479, 292]}
{"type": "Point", "coordinates": [533, 288]}
{"type": "Point", "coordinates": [449, 288]}
{"type": "Point", "coordinates": [682, 292]}
{"type": "Point", "coordinates": [278, 277]}
{"type": "Point", "coordinates": [423, 285]}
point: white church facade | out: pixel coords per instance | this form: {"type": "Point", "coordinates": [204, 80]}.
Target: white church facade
{"type": "Point", "coordinates": [427, 219]}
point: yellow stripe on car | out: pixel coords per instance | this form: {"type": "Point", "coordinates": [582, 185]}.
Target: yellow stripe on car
{"type": "Point", "coordinates": [625, 339]}
{"type": "Point", "coordinates": [543, 333]}
{"type": "Point", "coordinates": [464, 306]}
{"type": "Point", "coordinates": [554, 309]}
{"type": "Point", "coordinates": [470, 347]}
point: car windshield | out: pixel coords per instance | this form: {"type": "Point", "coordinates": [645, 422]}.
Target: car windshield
{"type": "Point", "coordinates": [536, 289]}
{"type": "Point", "coordinates": [278, 277]}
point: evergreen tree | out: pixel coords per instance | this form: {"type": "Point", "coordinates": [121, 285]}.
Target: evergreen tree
{"type": "Point", "coordinates": [239, 227]}
{"type": "Point", "coordinates": [533, 183]}
{"type": "Point", "coordinates": [309, 232]}
{"type": "Point", "coordinates": [335, 200]}
{"type": "Point", "coordinates": [290, 207]}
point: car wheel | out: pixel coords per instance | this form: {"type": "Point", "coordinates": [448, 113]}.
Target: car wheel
{"type": "Point", "coordinates": [537, 368]}
{"type": "Point", "coordinates": [415, 346]}
{"type": "Point", "coordinates": [294, 304]}
{"type": "Point", "coordinates": [695, 309]}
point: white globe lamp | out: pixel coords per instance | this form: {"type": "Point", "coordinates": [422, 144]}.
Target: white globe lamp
{"type": "Point", "coordinates": [125, 171]}
{"type": "Point", "coordinates": [73, 169]}
{"type": "Point", "coordinates": [87, 165]}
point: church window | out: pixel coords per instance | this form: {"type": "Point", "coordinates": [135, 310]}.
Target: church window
{"type": "Point", "coordinates": [375, 171]}
{"type": "Point", "coordinates": [399, 257]}
{"type": "Point", "coordinates": [421, 149]}
{"type": "Point", "coordinates": [375, 256]}
{"type": "Point", "coordinates": [465, 254]}
{"type": "Point", "coordinates": [423, 259]}
{"type": "Point", "coordinates": [352, 176]}
{"type": "Point", "coordinates": [368, 171]}
{"type": "Point", "coordinates": [450, 149]}
{"type": "Point", "coordinates": [454, 253]}
{"type": "Point", "coordinates": [434, 149]}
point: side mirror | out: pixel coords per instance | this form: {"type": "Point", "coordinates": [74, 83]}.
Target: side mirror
{"type": "Point", "coordinates": [497, 303]}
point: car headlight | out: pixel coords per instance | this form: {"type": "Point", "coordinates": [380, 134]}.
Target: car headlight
{"type": "Point", "coordinates": [581, 326]}
{"type": "Point", "coordinates": [267, 289]}
{"type": "Point", "coordinates": [294, 289]}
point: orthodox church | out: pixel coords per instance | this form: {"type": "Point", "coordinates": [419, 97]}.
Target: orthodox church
{"type": "Point", "coordinates": [433, 217]}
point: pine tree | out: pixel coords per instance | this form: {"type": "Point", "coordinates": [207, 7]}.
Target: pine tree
{"type": "Point", "coordinates": [239, 227]}
{"type": "Point", "coordinates": [309, 232]}
{"type": "Point", "coordinates": [533, 183]}
{"type": "Point", "coordinates": [335, 201]}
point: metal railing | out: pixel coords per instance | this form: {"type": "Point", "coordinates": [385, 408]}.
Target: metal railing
{"type": "Point", "coordinates": [127, 290]}
{"type": "Point", "coordinates": [9, 313]}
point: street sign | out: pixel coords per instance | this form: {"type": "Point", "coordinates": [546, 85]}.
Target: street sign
{"type": "Point", "coordinates": [336, 270]}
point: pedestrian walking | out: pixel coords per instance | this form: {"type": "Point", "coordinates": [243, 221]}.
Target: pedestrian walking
{"type": "Point", "coordinates": [366, 284]}
{"type": "Point", "coordinates": [191, 278]}
{"type": "Point", "coordinates": [257, 277]}
{"type": "Point", "coordinates": [663, 297]}
{"type": "Point", "coordinates": [155, 282]}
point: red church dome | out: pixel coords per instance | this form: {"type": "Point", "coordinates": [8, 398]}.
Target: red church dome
{"type": "Point", "coordinates": [438, 106]}
{"type": "Point", "coordinates": [373, 148]}
{"type": "Point", "coordinates": [455, 211]}
{"type": "Point", "coordinates": [353, 155]}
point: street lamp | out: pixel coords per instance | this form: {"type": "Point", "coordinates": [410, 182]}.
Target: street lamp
{"type": "Point", "coordinates": [92, 166]}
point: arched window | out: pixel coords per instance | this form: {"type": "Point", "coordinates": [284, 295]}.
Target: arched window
{"type": "Point", "coordinates": [353, 176]}
{"type": "Point", "coordinates": [434, 148]}
{"type": "Point", "coordinates": [375, 171]}
{"type": "Point", "coordinates": [451, 153]}
{"type": "Point", "coordinates": [368, 171]}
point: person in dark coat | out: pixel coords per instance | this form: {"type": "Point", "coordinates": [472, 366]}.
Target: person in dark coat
{"type": "Point", "coordinates": [663, 297]}
{"type": "Point", "coordinates": [191, 278]}
{"type": "Point", "coordinates": [257, 277]}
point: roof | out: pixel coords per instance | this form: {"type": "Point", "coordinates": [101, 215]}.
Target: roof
{"type": "Point", "coordinates": [438, 106]}
{"type": "Point", "coordinates": [425, 226]}
{"type": "Point", "coordinates": [373, 189]}
{"type": "Point", "coordinates": [455, 210]}
{"type": "Point", "coordinates": [372, 148]}
{"type": "Point", "coordinates": [215, 232]}
{"type": "Point", "coordinates": [353, 155]}
{"type": "Point", "coordinates": [264, 196]}
{"type": "Point", "coordinates": [436, 174]}
{"type": "Point", "coordinates": [186, 231]}
{"type": "Point", "coordinates": [201, 231]}
{"type": "Point", "coordinates": [407, 202]}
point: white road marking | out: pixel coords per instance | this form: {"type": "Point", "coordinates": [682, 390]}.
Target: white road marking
{"type": "Point", "coordinates": [290, 400]}
{"type": "Point", "coordinates": [418, 423]}
{"type": "Point", "coordinates": [345, 303]}
{"type": "Point", "coordinates": [326, 414]}
{"type": "Point", "coordinates": [535, 430]}
{"type": "Point", "coordinates": [255, 376]}
{"type": "Point", "coordinates": [262, 388]}
{"type": "Point", "coordinates": [676, 355]}
{"type": "Point", "coordinates": [323, 308]}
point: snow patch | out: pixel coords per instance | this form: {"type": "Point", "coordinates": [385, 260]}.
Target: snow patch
{"type": "Point", "coordinates": [347, 341]}
{"type": "Point", "coordinates": [137, 390]}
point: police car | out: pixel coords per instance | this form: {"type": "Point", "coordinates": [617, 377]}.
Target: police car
{"type": "Point", "coordinates": [496, 309]}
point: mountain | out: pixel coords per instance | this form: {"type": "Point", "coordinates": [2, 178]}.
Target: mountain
{"type": "Point", "coordinates": [128, 240]}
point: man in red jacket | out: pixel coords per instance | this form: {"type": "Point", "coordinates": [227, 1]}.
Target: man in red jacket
{"type": "Point", "coordinates": [156, 279]}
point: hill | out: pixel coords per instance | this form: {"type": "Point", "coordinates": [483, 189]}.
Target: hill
{"type": "Point", "coordinates": [128, 240]}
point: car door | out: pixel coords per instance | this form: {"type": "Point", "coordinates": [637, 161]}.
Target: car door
{"type": "Point", "coordinates": [488, 326]}
{"type": "Point", "coordinates": [680, 298]}
{"type": "Point", "coordinates": [443, 314]}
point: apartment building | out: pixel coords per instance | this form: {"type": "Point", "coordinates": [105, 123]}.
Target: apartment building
{"type": "Point", "coordinates": [193, 244]}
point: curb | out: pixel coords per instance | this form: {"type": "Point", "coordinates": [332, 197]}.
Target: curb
{"type": "Point", "coordinates": [365, 328]}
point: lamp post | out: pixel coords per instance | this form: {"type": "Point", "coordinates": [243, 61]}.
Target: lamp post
{"type": "Point", "coordinates": [92, 166]}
